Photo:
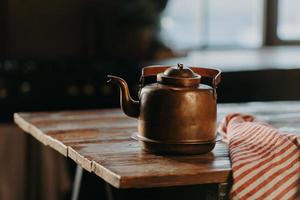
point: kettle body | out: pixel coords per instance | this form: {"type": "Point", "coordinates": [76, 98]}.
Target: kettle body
{"type": "Point", "coordinates": [177, 113]}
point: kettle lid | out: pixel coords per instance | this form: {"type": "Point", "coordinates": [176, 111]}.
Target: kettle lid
{"type": "Point", "coordinates": [179, 76]}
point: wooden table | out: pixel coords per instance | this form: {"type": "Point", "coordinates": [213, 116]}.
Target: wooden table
{"type": "Point", "coordinates": [100, 142]}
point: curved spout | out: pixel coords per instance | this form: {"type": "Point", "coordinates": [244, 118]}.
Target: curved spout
{"type": "Point", "coordinates": [129, 106]}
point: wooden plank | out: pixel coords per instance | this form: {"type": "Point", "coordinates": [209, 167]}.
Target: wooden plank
{"type": "Point", "coordinates": [100, 141]}
{"type": "Point", "coordinates": [139, 169]}
{"type": "Point", "coordinates": [39, 135]}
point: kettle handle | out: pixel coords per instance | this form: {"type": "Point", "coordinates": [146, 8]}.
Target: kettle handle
{"type": "Point", "coordinates": [213, 73]}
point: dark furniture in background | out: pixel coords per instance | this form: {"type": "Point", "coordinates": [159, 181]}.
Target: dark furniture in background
{"type": "Point", "coordinates": [56, 54]}
{"type": "Point", "coordinates": [51, 85]}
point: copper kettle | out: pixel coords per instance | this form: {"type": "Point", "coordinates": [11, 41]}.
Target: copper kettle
{"type": "Point", "coordinates": [177, 113]}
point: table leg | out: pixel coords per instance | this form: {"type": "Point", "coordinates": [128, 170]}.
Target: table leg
{"type": "Point", "coordinates": [223, 191]}
{"type": "Point", "coordinates": [109, 191]}
{"type": "Point", "coordinates": [77, 182]}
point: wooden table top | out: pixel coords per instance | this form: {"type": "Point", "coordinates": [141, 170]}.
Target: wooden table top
{"type": "Point", "coordinates": [100, 141]}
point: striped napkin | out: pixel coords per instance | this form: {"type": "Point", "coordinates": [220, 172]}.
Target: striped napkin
{"type": "Point", "coordinates": [265, 161]}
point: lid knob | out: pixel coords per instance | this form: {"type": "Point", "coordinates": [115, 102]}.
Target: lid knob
{"type": "Point", "coordinates": [180, 66]}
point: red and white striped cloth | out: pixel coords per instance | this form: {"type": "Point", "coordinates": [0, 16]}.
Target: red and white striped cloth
{"type": "Point", "coordinates": [265, 161]}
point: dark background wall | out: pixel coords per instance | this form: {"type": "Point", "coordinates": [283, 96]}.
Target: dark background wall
{"type": "Point", "coordinates": [78, 29]}
{"type": "Point", "coordinates": [56, 54]}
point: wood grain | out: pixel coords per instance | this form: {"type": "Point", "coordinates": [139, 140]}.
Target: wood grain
{"type": "Point", "coordinates": [100, 141]}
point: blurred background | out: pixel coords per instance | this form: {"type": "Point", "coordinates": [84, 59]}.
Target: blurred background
{"type": "Point", "coordinates": [55, 55]}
